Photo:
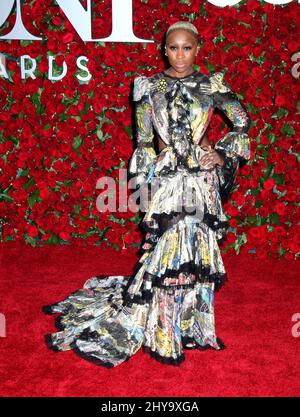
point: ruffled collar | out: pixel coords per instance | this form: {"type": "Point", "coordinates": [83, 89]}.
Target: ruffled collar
{"type": "Point", "coordinates": [181, 78]}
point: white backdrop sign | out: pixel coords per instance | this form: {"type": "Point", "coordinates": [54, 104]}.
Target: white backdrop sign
{"type": "Point", "coordinates": [81, 19]}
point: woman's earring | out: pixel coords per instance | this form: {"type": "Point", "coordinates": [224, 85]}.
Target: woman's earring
{"type": "Point", "coordinates": [166, 52]}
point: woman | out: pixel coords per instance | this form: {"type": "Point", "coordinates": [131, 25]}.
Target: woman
{"type": "Point", "coordinates": [167, 304]}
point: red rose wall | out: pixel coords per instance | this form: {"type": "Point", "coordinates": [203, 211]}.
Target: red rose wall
{"type": "Point", "coordinates": [58, 138]}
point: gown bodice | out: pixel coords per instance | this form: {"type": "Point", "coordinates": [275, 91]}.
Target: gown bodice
{"type": "Point", "coordinates": [179, 111]}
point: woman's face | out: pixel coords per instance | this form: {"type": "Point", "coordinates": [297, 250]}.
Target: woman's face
{"type": "Point", "coordinates": [181, 47]}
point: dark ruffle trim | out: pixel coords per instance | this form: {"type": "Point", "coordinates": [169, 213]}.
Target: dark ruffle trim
{"type": "Point", "coordinates": [213, 222]}
{"type": "Point", "coordinates": [188, 267]}
{"type": "Point", "coordinates": [186, 340]}
{"type": "Point", "coordinates": [180, 359]}
{"type": "Point", "coordinates": [209, 219]}
{"type": "Point", "coordinates": [202, 276]}
{"type": "Point", "coordinates": [85, 335]}
{"type": "Point", "coordinates": [201, 271]}
{"type": "Point", "coordinates": [163, 359]}
{"type": "Point", "coordinates": [166, 170]}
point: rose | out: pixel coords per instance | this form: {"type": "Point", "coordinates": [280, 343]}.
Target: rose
{"type": "Point", "coordinates": [32, 230]}
{"type": "Point", "coordinates": [68, 37]}
{"type": "Point", "coordinates": [280, 100]}
{"type": "Point", "coordinates": [269, 184]}
{"type": "Point", "coordinates": [47, 146]}
{"type": "Point", "coordinates": [280, 208]}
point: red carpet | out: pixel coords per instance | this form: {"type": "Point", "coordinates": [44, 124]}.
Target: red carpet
{"type": "Point", "coordinates": [253, 317]}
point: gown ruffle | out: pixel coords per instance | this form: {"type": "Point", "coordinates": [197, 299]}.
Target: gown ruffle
{"type": "Point", "coordinates": [168, 300]}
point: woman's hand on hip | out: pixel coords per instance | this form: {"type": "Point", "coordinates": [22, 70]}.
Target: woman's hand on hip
{"type": "Point", "coordinates": [211, 158]}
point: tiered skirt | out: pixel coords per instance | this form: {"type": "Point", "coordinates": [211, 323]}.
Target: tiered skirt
{"type": "Point", "coordinates": [167, 304]}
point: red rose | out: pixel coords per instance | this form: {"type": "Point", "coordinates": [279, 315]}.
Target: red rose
{"type": "Point", "coordinates": [255, 232]}
{"type": "Point", "coordinates": [230, 238]}
{"type": "Point", "coordinates": [264, 140]}
{"type": "Point", "coordinates": [280, 208]}
{"type": "Point", "coordinates": [232, 211]}
{"type": "Point", "coordinates": [68, 37]}
{"type": "Point", "coordinates": [113, 237]}
{"type": "Point", "coordinates": [57, 20]}
{"type": "Point", "coordinates": [268, 184]}
{"type": "Point", "coordinates": [290, 195]}
{"type": "Point", "coordinates": [279, 231]}
{"type": "Point", "coordinates": [233, 223]}
{"type": "Point", "coordinates": [64, 235]}
{"type": "Point", "coordinates": [250, 211]}
{"type": "Point", "coordinates": [32, 230]}
{"type": "Point", "coordinates": [246, 170]}
{"type": "Point", "coordinates": [44, 193]}
{"type": "Point", "coordinates": [280, 100]}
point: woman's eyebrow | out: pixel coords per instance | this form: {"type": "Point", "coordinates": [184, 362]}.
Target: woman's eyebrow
{"type": "Point", "coordinates": [185, 43]}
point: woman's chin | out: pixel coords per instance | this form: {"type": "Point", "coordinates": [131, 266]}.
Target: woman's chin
{"type": "Point", "coordinates": [182, 71]}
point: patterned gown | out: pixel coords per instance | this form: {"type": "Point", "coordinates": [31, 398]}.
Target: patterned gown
{"type": "Point", "coordinates": [168, 301]}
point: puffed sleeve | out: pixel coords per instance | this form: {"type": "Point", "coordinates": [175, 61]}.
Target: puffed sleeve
{"type": "Point", "coordinates": [234, 146]}
{"type": "Point", "coordinates": [144, 156]}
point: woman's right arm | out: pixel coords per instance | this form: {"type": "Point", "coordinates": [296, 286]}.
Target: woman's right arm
{"type": "Point", "coordinates": [144, 157]}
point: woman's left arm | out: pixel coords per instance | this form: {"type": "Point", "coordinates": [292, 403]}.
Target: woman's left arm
{"type": "Point", "coordinates": [233, 149]}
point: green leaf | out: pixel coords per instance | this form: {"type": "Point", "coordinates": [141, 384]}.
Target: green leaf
{"type": "Point", "coordinates": [25, 43]}
{"type": "Point", "coordinates": [62, 117]}
{"type": "Point", "coordinates": [251, 108]}
{"type": "Point", "coordinates": [203, 11]}
{"type": "Point", "coordinates": [278, 178]}
{"type": "Point", "coordinates": [190, 16]}
{"type": "Point", "coordinates": [30, 183]}
{"type": "Point", "coordinates": [287, 129]}
{"type": "Point", "coordinates": [22, 172]}
{"type": "Point", "coordinates": [272, 138]}
{"type": "Point", "coordinates": [33, 197]}
{"type": "Point", "coordinates": [241, 239]}
{"type": "Point", "coordinates": [77, 142]}
{"type": "Point", "coordinates": [210, 67]}
{"type": "Point", "coordinates": [6, 197]}
{"type": "Point", "coordinates": [136, 219]}
{"type": "Point", "coordinates": [258, 203]}
{"type": "Point", "coordinates": [245, 24]}
{"type": "Point", "coordinates": [282, 112]}
{"type": "Point", "coordinates": [264, 17]}
{"type": "Point", "coordinates": [279, 193]}
{"type": "Point", "coordinates": [53, 240]}
{"type": "Point", "coordinates": [240, 3]}
{"type": "Point", "coordinates": [252, 219]}
{"type": "Point", "coordinates": [99, 134]}
{"type": "Point", "coordinates": [267, 172]}
{"type": "Point", "coordinates": [128, 130]}
{"type": "Point", "coordinates": [274, 218]}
